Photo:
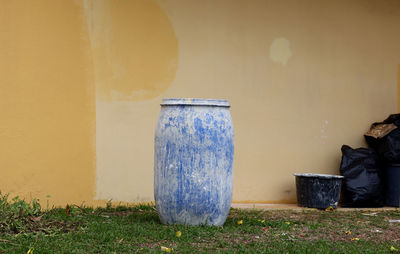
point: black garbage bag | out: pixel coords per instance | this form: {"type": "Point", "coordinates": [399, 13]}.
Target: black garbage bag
{"type": "Point", "coordinates": [393, 118]}
{"type": "Point", "coordinates": [362, 184]}
{"type": "Point", "coordinates": [384, 137]}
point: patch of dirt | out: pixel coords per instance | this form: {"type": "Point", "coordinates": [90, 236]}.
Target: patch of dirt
{"type": "Point", "coordinates": [44, 226]}
{"type": "Point", "coordinates": [157, 245]}
{"type": "Point", "coordinates": [313, 225]}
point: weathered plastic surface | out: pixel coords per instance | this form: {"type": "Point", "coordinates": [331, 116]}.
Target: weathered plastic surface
{"type": "Point", "coordinates": [393, 185]}
{"type": "Point", "coordinates": [193, 165]}
{"type": "Point", "coordinates": [318, 190]}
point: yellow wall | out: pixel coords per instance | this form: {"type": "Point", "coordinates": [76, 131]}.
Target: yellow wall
{"type": "Point", "coordinates": [47, 101]}
{"type": "Point", "coordinates": [81, 83]}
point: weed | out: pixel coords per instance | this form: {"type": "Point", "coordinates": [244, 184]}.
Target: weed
{"type": "Point", "coordinates": [17, 213]}
{"type": "Point", "coordinates": [18, 216]}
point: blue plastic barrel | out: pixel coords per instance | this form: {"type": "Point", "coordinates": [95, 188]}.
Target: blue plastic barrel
{"type": "Point", "coordinates": [193, 162]}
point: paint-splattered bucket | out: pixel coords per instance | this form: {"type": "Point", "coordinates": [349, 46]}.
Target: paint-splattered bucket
{"type": "Point", "coordinates": [318, 190]}
{"type": "Point", "coordinates": [193, 161]}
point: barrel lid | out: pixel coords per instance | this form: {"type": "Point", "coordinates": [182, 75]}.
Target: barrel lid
{"type": "Point", "coordinates": [194, 102]}
{"type": "Point", "coordinates": [325, 176]}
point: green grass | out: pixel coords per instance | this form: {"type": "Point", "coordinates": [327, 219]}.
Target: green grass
{"type": "Point", "coordinates": [138, 230]}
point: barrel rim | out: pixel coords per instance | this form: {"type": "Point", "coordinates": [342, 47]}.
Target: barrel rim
{"type": "Point", "coordinates": [325, 176]}
{"type": "Point", "coordinates": [194, 102]}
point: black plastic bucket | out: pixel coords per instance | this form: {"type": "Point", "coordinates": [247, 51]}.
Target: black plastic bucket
{"type": "Point", "coordinates": [393, 185]}
{"type": "Point", "coordinates": [318, 190]}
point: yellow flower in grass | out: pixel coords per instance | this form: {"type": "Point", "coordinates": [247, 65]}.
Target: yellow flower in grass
{"type": "Point", "coordinates": [329, 209]}
{"type": "Point", "coordinates": [393, 248]}
{"type": "Point", "coordinates": [166, 249]}
{"type": "Point", "coordinates": [178, 233]}
{"type": "Point", "coordinates": [240, 222]}
{"type": "Point", "coordinates": [348, 232]}
{"type": "Point", "coordinates": [355, 239]}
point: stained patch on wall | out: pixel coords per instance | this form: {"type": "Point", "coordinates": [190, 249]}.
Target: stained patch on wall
{"type": "Point", "coordinates": [47, 102]}
{"type": "Point", "coordinates": [135, 49]}
{"type": "Point", "coordinates": [280, 51]}
{"type": "Point", "coordinates": [385, 8]}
